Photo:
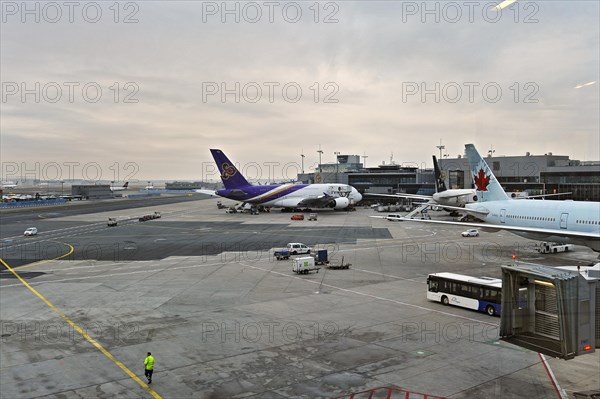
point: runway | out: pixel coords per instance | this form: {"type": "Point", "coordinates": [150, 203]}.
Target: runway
{"type": "Point", "coordinates": [200, 289]}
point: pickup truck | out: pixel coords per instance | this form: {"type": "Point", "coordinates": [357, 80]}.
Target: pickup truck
{"type": "Point", "coordinates": [292, 248]}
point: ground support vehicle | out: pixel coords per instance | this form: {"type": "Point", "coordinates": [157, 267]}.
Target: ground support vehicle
{"type": "Point", "coordinates": [341, 265]}
{"type": "Point", "coordinates": [112, 222]}
{"type": "Point", "coordinates": [321, 257]}
{"type": "Point", "coordinates": [31, 231]}
{"type": "Point", "coordinates": [292, 248]}
{"type": "Point", "coordinates": [280, 254]}
{"type": "Point", "coordinates": [155, 215]}
{"type": "Point", "coordinates": [304, 265]}
{"type": "Point", "coordinates": [552, 247]}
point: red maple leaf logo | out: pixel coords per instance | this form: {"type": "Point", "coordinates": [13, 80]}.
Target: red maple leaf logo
{"type": "Point", "coordinates": [482, 181]}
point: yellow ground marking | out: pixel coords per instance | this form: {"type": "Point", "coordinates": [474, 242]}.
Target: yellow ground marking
{"type": "Point", "coordinates": [39, 262]}
{"type": "Point", "coordinates": [85, 335]}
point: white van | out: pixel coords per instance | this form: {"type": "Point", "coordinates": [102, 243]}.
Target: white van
{"type": "Point", "coordinates": [30, 231]}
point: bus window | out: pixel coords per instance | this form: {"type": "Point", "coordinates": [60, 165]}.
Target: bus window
{"type": "Point", "coordinates": [433, 286]}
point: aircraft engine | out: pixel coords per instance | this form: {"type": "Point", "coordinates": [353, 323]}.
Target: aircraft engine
{"type": "Point", "coordinates": [340, 203]}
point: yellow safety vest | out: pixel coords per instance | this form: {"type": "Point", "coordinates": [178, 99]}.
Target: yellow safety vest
{"type": "Point", "coordinates": [149, 363]}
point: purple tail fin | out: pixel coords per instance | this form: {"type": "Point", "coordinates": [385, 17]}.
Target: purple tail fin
{"type": "Point", "coordinates": [231, 177]}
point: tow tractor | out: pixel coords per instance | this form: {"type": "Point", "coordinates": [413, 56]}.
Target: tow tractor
{"type": "Point", "coordinates": [552, 247]}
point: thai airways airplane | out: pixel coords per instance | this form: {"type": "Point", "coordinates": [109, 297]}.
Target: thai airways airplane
{"type": "Point", "coordinates": [569, 222]}
{"type": "Point", "coordinates": [336, 196]}
{"type": "Point", "coordinates": [120, 188]}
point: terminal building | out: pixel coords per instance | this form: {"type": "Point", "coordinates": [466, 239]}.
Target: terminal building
{"type": "Point", "coordinates": [92, 191]}
{"type": "Point", "coordinates": [184, 185]}
{"type": "Point", "coordinates": [534, 174]}
{"type": "Point", "coordinates": [384, 179]}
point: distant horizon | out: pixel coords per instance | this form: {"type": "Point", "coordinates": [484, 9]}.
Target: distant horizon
{"type": "Point", "coordinates": [11, 179]}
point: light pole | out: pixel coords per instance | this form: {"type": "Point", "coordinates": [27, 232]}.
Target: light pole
{"type": "Point", "coordinates": [337, 163]}
{"type": "Point", "coordinates": [302, 155]}
{"type": "Point", "coordinates": [320, 153]}
{"type": "Point", "coordinates": [440, 147]}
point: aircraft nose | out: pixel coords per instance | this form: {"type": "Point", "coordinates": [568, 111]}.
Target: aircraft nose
{"type": "Point", "coordinates": [357, 195]}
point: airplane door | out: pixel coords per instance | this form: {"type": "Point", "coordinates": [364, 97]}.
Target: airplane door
{"type": "Point", "coordinates": [563, 220]}
{"type": "Point", "coordinates": [502, 215]}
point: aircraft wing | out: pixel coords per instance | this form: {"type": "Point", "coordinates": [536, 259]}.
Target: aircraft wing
{"type": "Point", "coordinates": [212, 193]}
{"type": "Point", "coordinates": [549, 232]}
{"type": "Point", "coordinates": [413, 196]}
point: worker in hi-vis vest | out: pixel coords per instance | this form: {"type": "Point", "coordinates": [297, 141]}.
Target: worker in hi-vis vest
{"type": "Point", "coordinates": [149, 367]}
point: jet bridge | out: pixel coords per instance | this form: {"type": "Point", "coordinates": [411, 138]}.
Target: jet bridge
{"type": "Point", "coordinates": [554, 311]}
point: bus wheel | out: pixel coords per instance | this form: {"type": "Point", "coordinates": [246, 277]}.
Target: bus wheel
{"type": "Point", "coordinates": [445, 300]}
{"type": "Point", "coordinates": [490, 310]}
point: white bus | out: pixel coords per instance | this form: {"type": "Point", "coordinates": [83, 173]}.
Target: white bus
{"type": "Point", "coordinates": [477, 293]}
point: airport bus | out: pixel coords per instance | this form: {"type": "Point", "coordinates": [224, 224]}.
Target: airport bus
{"type": "Point", "coordinates": [477, 293]}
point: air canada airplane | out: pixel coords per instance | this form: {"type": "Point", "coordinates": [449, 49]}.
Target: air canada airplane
{"type": "Point", "coordinates": [120, 188]}
{"type": "Point", "coordinates": [569, 222]}
{"type": "Point", "coordinates": [336, 196]}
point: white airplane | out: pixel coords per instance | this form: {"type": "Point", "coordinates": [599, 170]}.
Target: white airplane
{"type": "Point", "coordinates": [442, 196]}
{"type": "Point", "coordinates": [568, 222]}
{"type": "Point", "coordinates": [120, 188]}
{"type": "Point", "coordinates": [336, 196]}
{"type": "Point", "coordinates": [9, 184]}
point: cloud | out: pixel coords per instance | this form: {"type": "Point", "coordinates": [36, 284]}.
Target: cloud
{"type": "Point", "coordinates": [354, 76]}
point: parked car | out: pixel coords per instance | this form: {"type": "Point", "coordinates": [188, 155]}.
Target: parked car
{"type": "Point", "coordinates": [32, 231]}
{"type": "Point", "coordinates": [470, 233]}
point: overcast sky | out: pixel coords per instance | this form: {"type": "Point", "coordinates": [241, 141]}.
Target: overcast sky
{"type": "Point", "coordinates": [356, 77]}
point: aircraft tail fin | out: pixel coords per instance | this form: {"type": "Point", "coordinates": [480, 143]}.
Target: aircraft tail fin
{"type": "Point", "coordinates": [486, 184]}
{"type": "Point", "coordinates": [231, 177]}
{"type": "Point", "coordinates": [440, 184]}
{"type": "Point", "coordinates": [126, 184]}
